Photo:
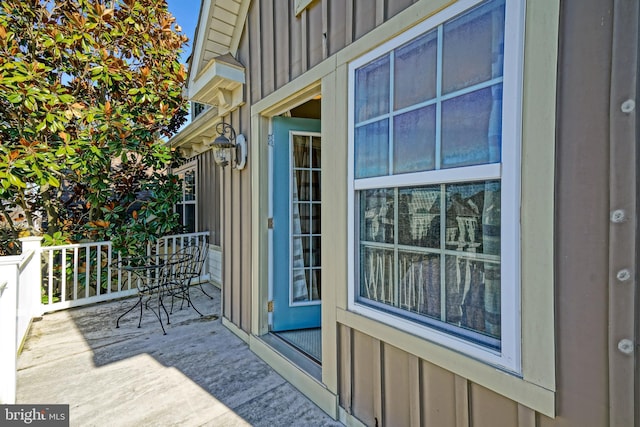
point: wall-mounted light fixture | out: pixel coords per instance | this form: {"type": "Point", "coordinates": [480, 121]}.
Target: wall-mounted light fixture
{"type": "Point", "coordinates": [227, 148]}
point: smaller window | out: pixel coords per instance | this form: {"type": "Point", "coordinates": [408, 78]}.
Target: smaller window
{"type": "Point", "coordinates": [187, 207]}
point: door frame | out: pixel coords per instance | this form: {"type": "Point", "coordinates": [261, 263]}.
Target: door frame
{"type": "Point", "coordinates": [321, 81]}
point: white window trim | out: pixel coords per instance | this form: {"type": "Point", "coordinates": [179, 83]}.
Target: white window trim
{"type": "Point", "coordinates": [192, 165]}
{"type": "Point", "coordinates": [509, 357]}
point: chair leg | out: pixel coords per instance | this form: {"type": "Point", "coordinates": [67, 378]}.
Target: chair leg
{"type": "Point", "coordinates": [203, 291]}
{"type": "Point", "coordinates": [128, 311]}
{"type": "Point", "coordinates": [187, 296]}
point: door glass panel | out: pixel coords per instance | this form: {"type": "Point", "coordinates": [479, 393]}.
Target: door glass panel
{"type": "Point", "coordinates": [306, 208]}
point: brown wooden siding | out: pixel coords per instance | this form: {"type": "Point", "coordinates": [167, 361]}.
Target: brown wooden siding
{"type": "Point", "coordinates": [364, 17]}
{"type": "Point", "coordinates": [392, 8]}
{"type": "Point", "coordinates": [209, 197]}
{"type": "Point", "coordinates": [582, 212]}
{"type": "Point", "coordinates": [336, 28]}
{"type": "Point", "coordinates": [378, 382]}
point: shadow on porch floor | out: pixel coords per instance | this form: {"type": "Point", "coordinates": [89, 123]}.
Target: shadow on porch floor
{"type": "Point", "coordinates": [197, 374]}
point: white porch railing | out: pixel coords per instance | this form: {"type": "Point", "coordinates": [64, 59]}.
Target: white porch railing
{"type": "Point", "coordinates": [50, 278]}
{"type": "Point", "coordinates": [80, 274]}
{"type": "Point", "coordinates": [19, 303]}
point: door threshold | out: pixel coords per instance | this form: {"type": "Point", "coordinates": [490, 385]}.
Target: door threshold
{"type": "Point", "coordinates": [299, 358]}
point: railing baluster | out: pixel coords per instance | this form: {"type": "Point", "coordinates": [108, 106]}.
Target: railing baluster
{"type": "Point", "coordinates": [98, 269]}
{"type": "Point", "coordinates": [50, 281]}
{"type": "Point", "coordinates": [87, 266]}
{"type": "Point", "coordinates": [109, 268]}
{"type": "Point", "coordinates": [63, 287]}
{"type": "Point", "coordinates": [56, 256]}
{"type": "Point", "coordinates": [75, 273]}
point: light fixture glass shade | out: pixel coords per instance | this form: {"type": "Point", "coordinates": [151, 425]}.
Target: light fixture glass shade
{"type": "Point", "coordinates": [229, 149]}
{"type": "Point", "coordinates": [220, 155]}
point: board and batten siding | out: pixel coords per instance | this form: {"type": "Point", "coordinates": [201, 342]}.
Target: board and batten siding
{"type": "Point", "coordinates": [208, 196]}
{"type": "Point", "coordinates": [377, 382]}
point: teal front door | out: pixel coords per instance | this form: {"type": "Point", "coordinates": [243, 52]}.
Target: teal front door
{"type": "Point", "coordinates": [296, 280]}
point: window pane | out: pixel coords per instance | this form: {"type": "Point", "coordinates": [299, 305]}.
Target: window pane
{"type": "Point", "coordinates": [189, 185]}
{"type": "Point", "coordinates": [471, 128]}
{"type": "Point", "coordinates": [316, 208]}
{"type": "Point", "coordinates": [419, 216]}
{"type": "Point", "coordinates": [302, 184]}
{"type": "Point", "coordinates": [377, 215]}
{"type": "Point", "coordinates": [473, 295]}
{"type": "Point", "coordinates": [300, 151]}
{"type": "Point", "coordinates": [314, 277]}
{"type": "Point", "coordinates": [419, 286]}
{"type": "Point", "coordinates": [473, 47]}
{"type": "Point", "coordinates": [376, 275]}
{"type": "Point", "coordinates": [415, 71]}
{"type": "Point", "coordinates": [414, 140]}
{"type": "Point", "coordinates": [315, 186]}
{"type": "Point", "coordinates": [315, 252]}
{"type": "Point", "coordinates": [473, 209]}
{"type": "Point", "coordinates": [372, 90]}
{"type": "Point", "coordinates": [190, 218]}
{"type": "Point", "coordinates": [315, 152]}
{"type": "Point", "coordinates": [301, 218]}
{"type": "Point", "coordinates": [372, 149]}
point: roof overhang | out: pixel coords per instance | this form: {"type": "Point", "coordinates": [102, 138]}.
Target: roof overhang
{"type": "Point", "coordinates": [220, 83]}
{"type": "Point", "coordinates": [194, 138]}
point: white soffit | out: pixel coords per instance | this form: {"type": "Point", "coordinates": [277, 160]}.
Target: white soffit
{"type": "Point", "coordinates": [195, 137]}
{"type": "Point", "coordinates": [216, 84]}
{"type": "Point", "coordinates": [215, 77]}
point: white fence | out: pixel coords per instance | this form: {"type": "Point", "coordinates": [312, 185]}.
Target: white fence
{"type": "Point", "coordinates": [50, 278]}
{"type": "Point", "coordinates": [81, 274]}
{"type": "Point", "coordinates": [19, 303]}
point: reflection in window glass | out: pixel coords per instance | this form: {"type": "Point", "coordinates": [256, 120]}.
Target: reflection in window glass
{"type": "Point", "coordinates": [187, 206]}
{"type": "Point", "coordinates": [428, 111]}
{"type": "Point", "coordinates": [190, 185]}
{"type": "Point", "coordinates": [471, 127]}
{"type": "Point", "coordinates": [473, 47]}
{"type": "Point", "coordinates": [419, 216]}
{"type": "Point", "coordinates": [372, 87]}
{"type": "Point", "coordinates": [372, 149]}
{"type": "Point", "coordinates": [410, 87]}
{"type": "Point", "coordinates": [189, 220]}
{"type": "Point", "coordinates": [377, 215]}
{"type": "Point", "coordinates": [414, 136]}
{"type": "Point", "coordinates": [408, 274]}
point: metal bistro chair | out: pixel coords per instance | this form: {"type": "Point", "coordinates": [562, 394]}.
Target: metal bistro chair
{"type": "Point", "coordinates": [184, 271]}
{"type": "Point", "coordinates": [203, 253]}
{"type": "Point", "coordinates": [153, 276]}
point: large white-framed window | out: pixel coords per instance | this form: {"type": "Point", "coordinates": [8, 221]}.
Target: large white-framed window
{"type": "Point", "coordinates": [434, 180]}
{"type": "Point", "coordinates": [187, 207]}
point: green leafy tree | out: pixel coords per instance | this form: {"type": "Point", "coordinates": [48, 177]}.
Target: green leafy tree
{"type": "Point", "coordinates": [88, 89]}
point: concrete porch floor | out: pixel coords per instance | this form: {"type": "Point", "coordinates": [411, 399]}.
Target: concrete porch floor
{"type": "Point", "coordinates": [198, 374]}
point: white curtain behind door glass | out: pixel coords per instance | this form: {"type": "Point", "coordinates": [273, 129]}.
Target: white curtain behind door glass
{"type": "Point", "coordinates": [300, 290]}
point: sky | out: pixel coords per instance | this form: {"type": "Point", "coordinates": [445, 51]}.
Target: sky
{"type": "Point", "coordinates": [186, 13]}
